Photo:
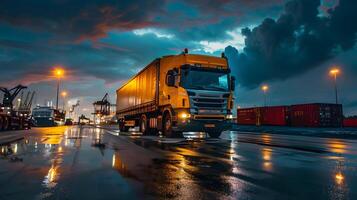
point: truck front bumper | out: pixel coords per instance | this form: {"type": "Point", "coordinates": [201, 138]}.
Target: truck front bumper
{"type": "Point", "coordinates": [193, 125]}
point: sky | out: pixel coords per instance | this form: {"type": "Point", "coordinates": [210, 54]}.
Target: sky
{"type": "Point", "coordinates": [288, 44]}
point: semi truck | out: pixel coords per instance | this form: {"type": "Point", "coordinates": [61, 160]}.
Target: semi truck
{"type": "Point", "coordinates": [178, 93]}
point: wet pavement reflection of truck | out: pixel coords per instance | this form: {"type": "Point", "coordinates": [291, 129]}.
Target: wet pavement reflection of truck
{"type": "Point", "coordinates": [92, 163]}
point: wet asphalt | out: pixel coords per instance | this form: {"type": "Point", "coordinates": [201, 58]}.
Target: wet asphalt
{"type": "Point", "coordinates": [95, 163]}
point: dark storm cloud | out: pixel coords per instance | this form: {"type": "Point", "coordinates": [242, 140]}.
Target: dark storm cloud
{"type": "Point", "coordinates": [80, 18]}
{"type": "Point", "coordinates": [92, 19]}
{"type": "Point", "coordinates": [112, 59]}
{"type": "Point", "coordinates": [209, 20]}
{"type": "Point", "coordinates": [296, 42]}
{"type": "Point", "coordinates": [33, 62]}
{"type": "Point", "coordinates": [36, 35]}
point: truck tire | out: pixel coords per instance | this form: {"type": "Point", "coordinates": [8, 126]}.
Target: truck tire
{"type": "Point", "coordinates": [214, 134]}
{"type": "Point", "coordinates": [122, 127]}
{"type": "Point", "coordinates": [144, 125]}
{"type": "Point", "coordinates": [167, 127]}
{"type": "Point", "coordinates": [1, 123]}
{"type": "Point", "coordinates": [21, 124]}
{"type": "Point", "coordinates": [6, 125]}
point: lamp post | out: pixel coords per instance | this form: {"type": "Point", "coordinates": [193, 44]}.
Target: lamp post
{"type": "Point", "coordinates": [265, 89]}
{"type": "Point", "coordinates": [59, 74]}
{"type": "Point", "coordinates": [334, 72]}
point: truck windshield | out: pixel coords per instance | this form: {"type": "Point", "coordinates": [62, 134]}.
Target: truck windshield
{"type": "Point", "coordinates": [201, 79]}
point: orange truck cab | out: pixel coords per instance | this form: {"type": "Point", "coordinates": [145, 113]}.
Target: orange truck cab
{"type": "Point", "coordinates": [178, 93]}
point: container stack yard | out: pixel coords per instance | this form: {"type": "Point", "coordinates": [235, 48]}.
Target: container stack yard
{"type": "Point", "coordinates": [301, 115]}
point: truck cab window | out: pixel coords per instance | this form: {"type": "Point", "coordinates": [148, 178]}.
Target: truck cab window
{"type": "Point", "coordinates": [201, 79]}
{"type": "Point", "coordinates": [171, 78]}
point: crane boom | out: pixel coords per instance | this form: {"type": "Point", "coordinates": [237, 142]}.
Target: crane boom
{"type": "Point", "coordinates": [10, 95]}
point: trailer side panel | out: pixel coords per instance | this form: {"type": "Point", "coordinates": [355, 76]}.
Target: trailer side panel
{"type": "Point", "coordinates": [139, 91]}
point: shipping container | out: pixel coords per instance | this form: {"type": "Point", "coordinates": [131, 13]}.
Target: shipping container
{"type": "Point", "coordinates": [248, 116]}
{"type": "Point", "coordinates": [350, 122]}
{"type": "Point", "coordinates": [275, 115]}
{"type": "Point", "coordinates": [272, 116]}
{"type": "Point", "coordinates": [316, 115]}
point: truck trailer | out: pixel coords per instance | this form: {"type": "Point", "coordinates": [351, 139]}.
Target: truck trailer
{"type": "Point", "coordinates": [178, 93]}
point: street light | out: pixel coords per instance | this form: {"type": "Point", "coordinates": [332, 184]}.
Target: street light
{"type": "Point", "coordinates": [64, 94]}
{"type": "Point", "coordinates": [265, 88]}
{"type": "Point", "coordinates": [59, 73]}
{"type": "Point", "coordinates": [334, 72]}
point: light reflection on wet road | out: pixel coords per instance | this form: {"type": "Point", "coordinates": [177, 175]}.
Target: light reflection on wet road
{"type": "Point", "coordinates": [92, 163]}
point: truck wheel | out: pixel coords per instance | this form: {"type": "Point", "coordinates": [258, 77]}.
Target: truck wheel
{"type": "Point", "coordinates": [6, 125]}
{"type": "Point", "coordinates": [1, 123]}
{"type": "Point", "coordinates": [214, 134]}
{"type": "Point", "coordinates": [122, 127]}
{"type": "Point", "coordinates": [21, 124]}
{"type": "Point", "coordinates": [167, 127]}
{"type": "Point", "coordinates": [144, 125]}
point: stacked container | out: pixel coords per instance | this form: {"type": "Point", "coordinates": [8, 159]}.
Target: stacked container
{"type": "Point", "coordinates": [303, 115]}
{"type": "Point", "coordinates": [316, 115]}
{"type": "Point", "coordinates": [275, 115]}
{"type": "Point", "coordinates": [248, 116]}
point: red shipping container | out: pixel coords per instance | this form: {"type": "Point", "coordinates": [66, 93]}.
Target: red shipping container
{"type": "Point", "coordinates": [350, 122]}
{"type": "Point", "coordinates": [316, 115]}
{"type": "Point", "coordinates": [248, 116]}
{"type": "Point", "coordinates": [275, 115]}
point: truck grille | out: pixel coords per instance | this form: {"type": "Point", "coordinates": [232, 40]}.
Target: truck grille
{"type": "Point", "coordinates": [208, 104]}
{"type": "Point", "coordinates": [205, 100]}
{"type": "Point", "coordinates": [212, 117]}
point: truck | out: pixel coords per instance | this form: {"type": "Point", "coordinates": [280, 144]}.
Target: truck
{"type": "Point", "coordinates": [12, 117]}
{"type": "Point", "coordinates": [178, 93]}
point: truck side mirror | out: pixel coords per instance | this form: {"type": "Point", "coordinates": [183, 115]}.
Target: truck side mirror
{"type": "Point", "coordinates": [170, 78]}
{"type": "Point", "coordinates": [233, 83]}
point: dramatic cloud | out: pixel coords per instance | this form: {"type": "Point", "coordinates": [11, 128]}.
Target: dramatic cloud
{"type": "Point", "coordinates": [112, 59]}
{"type": "Point", "coordinates": [80, 19]}
{"type": "Point", "coordinates": [299, 40]}
{"type": "Point", "coordinates": [93, 19]}
{"type": "Point", "coordinates": [102, 43]}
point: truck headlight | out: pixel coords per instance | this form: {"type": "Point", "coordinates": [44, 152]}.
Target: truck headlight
{"type": "Point", "coordinates": [184, 115]}
{"type": "Point", "coordinates": [229, 116]}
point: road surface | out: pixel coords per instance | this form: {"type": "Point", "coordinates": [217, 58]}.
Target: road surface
{"type": "Point", "coordinates": [94, 163]}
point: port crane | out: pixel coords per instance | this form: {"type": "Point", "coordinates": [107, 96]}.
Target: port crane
{"type": "Point", "coordinates": [11, 118]}
{"type": "Point", "coordinates": [69, 121]}
{"type": "Point", "coordinates": [10, 95]}
{"type": "Point", "coordinates": [26, 104]}
{"type": "Point", "coordinates": [71, 110]}
{"type": "Point", "coordinates": [102, 109]}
